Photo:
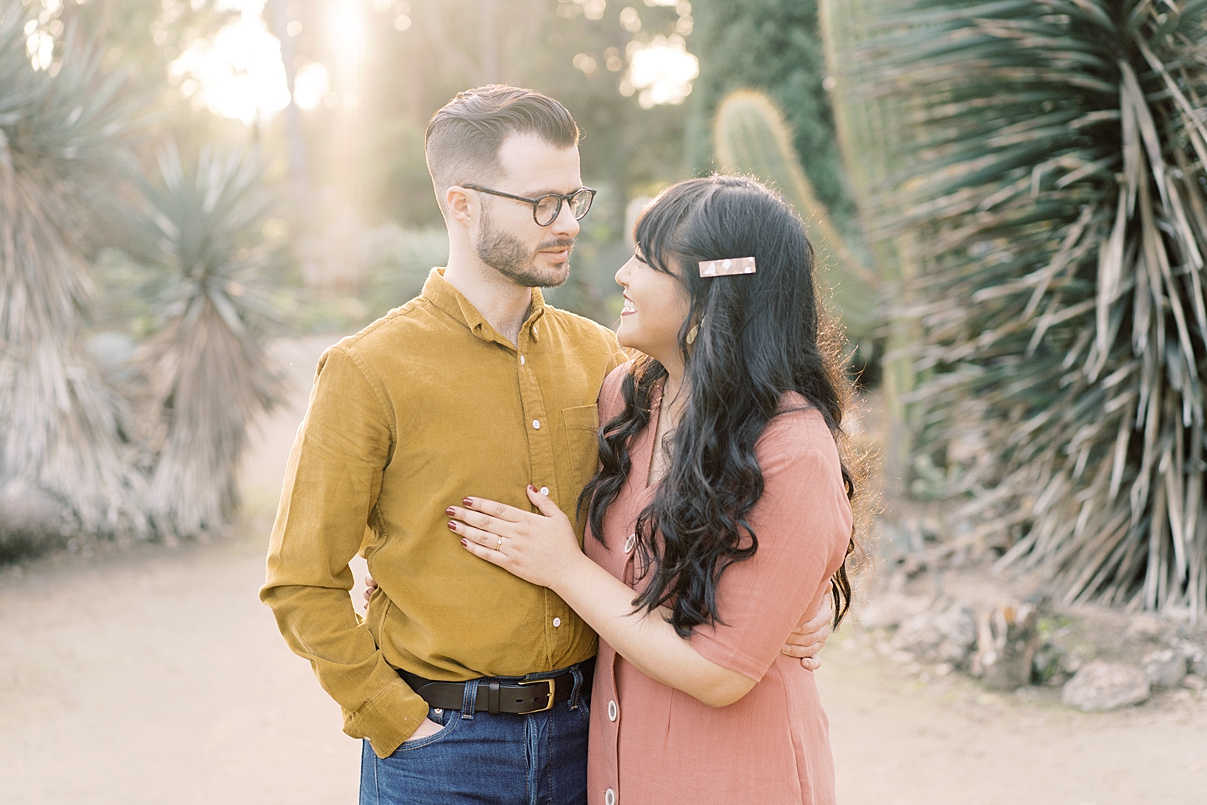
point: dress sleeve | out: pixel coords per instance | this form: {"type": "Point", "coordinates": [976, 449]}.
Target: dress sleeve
{"type": "Point", "coordinates": [803, 525]}
{"type": "Point", "coordinates": [611, 401]}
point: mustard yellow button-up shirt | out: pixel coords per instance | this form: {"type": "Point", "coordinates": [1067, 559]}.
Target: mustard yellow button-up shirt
{"type": "Point", "coordinates": [422, 408]}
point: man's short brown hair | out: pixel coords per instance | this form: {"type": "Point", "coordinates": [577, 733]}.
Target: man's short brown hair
{"type": "Point", "coordinates": [463, 138]}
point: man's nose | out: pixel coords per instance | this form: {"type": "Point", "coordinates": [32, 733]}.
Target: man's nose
{"type": "Point", "coordinates": [565, 224]}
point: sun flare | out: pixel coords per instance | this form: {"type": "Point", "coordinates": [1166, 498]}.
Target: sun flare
{"type": "Point", "coordinates": [238, 73]}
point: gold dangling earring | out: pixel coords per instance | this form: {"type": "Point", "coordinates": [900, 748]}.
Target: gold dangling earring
{"type": "Point", "coordinates": [693, 332]}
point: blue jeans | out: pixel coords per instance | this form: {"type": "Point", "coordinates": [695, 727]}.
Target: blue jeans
{"type": "Point", "coordinates": [500, 759]}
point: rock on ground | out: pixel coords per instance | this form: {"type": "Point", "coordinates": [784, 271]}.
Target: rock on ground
{"type": "Point", "coordinates": [887, 610]}
{"type": "Point", "coordinates": [1165, 669]}
{"type": "Point", "coordinates": [943, 636]}
{"type": "Point", "coordinates": [31, 521]}
{"type": "Point", "coordinates": [1197, 659]}
{"type": "Point", "coordinates": [1105, 686]}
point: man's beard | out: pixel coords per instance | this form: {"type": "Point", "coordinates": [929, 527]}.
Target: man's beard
{"type": "Point", "coordinates": [506, 254]}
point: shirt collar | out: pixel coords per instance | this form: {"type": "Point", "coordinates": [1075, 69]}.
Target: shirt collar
{"type": "Point", "coordinates": [443, 295]}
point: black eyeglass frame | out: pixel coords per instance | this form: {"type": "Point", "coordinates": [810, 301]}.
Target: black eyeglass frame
{"type": "Point", "coordinates": [536, 201]}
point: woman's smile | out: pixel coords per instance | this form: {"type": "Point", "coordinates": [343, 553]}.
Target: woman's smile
{"type": "Point", "coordinates": [663, 303]}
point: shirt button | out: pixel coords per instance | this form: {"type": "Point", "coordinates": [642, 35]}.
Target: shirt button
{"type": "Point", "coordinates": [536, 424]}
{"type": "Point", "coordinates": [629, 543]}
{"type": "Point", "coordinates": [613, 711]}
{"type": "Point", "coordinates": [557, 622]}
{"type": "Point", "coordinates": [535, 332]}
{"type": "Point", "coordinates": [609, 797]}
{"type": "Point", "coordinates": [544, 490]}
{"type": "Point", "coordinates": [521, 360]}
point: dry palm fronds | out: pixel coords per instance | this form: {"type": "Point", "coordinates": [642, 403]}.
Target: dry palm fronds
{"type": "Point", "coordinates": [1052, 170]}
{"type": "Point", "coordinates": [206, 365]}
{"type": "Point", "coordinates": [59, 422]}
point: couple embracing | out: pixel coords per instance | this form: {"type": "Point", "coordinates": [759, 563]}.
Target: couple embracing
{"type": "Point", "coordinates": [521, 480]}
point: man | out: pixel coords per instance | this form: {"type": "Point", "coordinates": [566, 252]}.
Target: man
{"type": "Point", "coordinates": [467, 684]}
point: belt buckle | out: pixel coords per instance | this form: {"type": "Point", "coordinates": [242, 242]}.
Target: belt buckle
{"type": "Point", "coordinates": [552, 688]}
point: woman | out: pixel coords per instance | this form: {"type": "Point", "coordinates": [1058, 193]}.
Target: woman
{"type": "Point", "coordinates": [717, 518]}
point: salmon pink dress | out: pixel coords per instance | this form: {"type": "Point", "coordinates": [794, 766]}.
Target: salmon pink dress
{"type": "Point", "coordinates": [653, 745]}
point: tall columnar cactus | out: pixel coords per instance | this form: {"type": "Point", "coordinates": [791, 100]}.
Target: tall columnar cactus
{"type": "Point", "coordinates": [872, 140]}
{"type": "Point", "coordinates": [750, 138]}
{"type": "Point", "coordinates": [60, 424]}
{"type": "Point", "coordinates": [1050, 156]}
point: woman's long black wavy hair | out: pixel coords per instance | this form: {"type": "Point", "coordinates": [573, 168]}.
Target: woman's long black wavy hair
{"type": "Point", "coordinates": [758, 338]}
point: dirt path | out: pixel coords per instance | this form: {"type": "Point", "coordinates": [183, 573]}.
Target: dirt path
{"type": "Point", "coordinates": [899, 741]}
{"type": "Point", "coordinates": [156, 676]}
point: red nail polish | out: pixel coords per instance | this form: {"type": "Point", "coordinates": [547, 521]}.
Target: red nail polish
{"type": "Point", "coordinates": [452, 526]}
{"type": "Point", "coordinates": [531, 488]}
{"type": "Point", "coordinates": [450, 511]}
{"type": "Point", "coordinates": [468, 501]}
{"type": "Point", "coordinates": [464, 544]}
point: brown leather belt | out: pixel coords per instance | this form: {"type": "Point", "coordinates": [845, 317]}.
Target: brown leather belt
{"type": "Point", "coordinates": [504, 694]}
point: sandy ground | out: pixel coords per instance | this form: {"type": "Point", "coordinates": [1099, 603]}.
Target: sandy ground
{"type": "Point", "coordinates": [156, 676]}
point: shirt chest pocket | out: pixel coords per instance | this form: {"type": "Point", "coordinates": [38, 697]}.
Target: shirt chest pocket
{"type": "Point", "coordinates": [580, 425]}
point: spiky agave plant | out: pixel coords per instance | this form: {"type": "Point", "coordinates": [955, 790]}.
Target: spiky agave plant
{"type": "Point", "coordinates": [1053, 164]}
{"type": "Point", "coordinates": [206, 366]}
{"type": "Point", "coordinates": [60, 424]}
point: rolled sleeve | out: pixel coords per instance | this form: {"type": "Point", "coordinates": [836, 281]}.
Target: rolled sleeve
{"type": "Point", "coordinates": [331, 486]}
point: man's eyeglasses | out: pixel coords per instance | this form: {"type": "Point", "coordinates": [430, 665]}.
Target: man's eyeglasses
{"type": "Point", "coordinates": [545, 209]}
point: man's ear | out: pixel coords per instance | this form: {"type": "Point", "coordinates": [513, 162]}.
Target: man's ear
{"type": "Point", "coordinates": [461, 205]}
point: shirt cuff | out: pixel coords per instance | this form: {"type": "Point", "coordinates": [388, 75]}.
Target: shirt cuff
{"type": "Point", "coordinates": [388, 719]}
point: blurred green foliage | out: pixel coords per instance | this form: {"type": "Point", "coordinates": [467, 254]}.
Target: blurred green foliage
{"type": "Point", "coordinates": [774, 46]}
{"type": "Point", "coordinates": [400, 264]}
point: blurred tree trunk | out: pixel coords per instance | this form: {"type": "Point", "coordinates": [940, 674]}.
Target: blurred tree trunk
{"type": "Point", "coordinates": [489, 10]}
{"type": "Point", "coordinates": [294, 135]}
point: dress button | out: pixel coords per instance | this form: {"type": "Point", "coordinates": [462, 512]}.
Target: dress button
{"type": "Point", "coordinates": [544, 490]}
{"type": "Point", "coordinates": [521, 360]}
{"type": "Point", "coordinates": [536, 424]}
{"type": "Point", "coordinates": [557, 622]}
{"type": "Point", "coordinates": [613, 711]}
{"type": "Point", "coordinates": [609, 797]}
{"type": "Point", "coordinates": [629, 543]}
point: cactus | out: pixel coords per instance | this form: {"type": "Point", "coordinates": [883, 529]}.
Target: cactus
{"type": "Point", "coordinates": [750, 138]}
{"type": "Point", "coordinates": [868, 119]}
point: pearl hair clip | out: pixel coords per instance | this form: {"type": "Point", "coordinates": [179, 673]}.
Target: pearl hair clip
{"type": "Point", "coordinates": [728, 267]}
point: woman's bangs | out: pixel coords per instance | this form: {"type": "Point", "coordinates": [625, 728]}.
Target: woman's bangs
{"type": "Point", "coordinates": [656, 228]}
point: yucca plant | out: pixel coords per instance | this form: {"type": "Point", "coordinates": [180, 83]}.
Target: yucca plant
{"type": "Point", "coordinates": [60, 424]}
{"type": "Point", "coordinates": [750, 138]}
{"type": "Point", "coordinates": [1050, 162]}
{"type": "Point", "coordinates": [206, 368]}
